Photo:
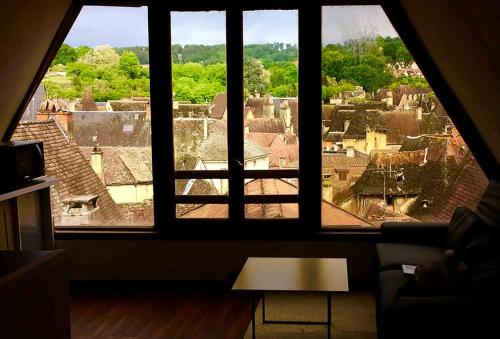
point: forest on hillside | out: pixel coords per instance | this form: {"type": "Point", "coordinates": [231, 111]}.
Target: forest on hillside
{"type": "Point", "coordinates": [199, 71]}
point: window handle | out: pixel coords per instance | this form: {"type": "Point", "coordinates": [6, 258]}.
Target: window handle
{"type": "Point", "coordinates": [238, 163]}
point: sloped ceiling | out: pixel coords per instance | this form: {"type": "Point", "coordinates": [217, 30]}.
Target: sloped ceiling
{"type": "Point", "coordinates": [27, 28]}
{"type": "Point", "coordinates": [463, 39]}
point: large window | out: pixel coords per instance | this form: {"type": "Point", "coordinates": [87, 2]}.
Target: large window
{"type": "Point", "coordinates": [390, 151]}
{"type": "Point", "coordinates": [207, 102]}
{"type": "Point", "coordinates": [92, 112]}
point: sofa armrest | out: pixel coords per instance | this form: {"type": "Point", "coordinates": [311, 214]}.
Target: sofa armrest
{"type": "Point", "coordinates": [417, 233]}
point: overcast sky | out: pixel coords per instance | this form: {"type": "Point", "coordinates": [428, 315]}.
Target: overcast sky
{"type": "Point", "coordinates": [121, 27]}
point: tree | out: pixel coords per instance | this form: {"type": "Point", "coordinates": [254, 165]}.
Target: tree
{"type": "Point", "coordinates": [81, 51]}
{"type": "Point", "coordinates": [65, 55]}
{"type": "Point", "coordinates": [101, 57]}
{"type": "Point", "coordinates": [256, 78]}
{"type": "Point", "coordinates": [129, 64]}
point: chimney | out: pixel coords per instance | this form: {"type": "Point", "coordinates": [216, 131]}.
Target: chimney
{"type": "Point", "coordinates": [205, 128]}
{"type": "Point", "coordinates": [257, 94]}
{"type": "Point", "coordinates": [282, 162]}
{"type": "Point", "coordinates": [419, 113]}
{"type": "Point", "coordinates": [80, 210]}
{"type": "Point", "coordinates": [346, 124]}
{"type": "Point", "coordinates": [350, 152]}
{"type": "Point", "coordinates": [97, 163]}
{"type": "Point", "coordinates": [390, 100]}
{"type": "Point", "coordinates": [148, 111]}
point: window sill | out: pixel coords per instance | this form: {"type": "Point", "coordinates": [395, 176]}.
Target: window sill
{"type": "Point", "coordinates": [340, 233]}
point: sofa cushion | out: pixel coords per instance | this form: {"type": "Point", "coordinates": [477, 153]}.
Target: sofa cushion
{"type": "Point", "coordinates": [392, 256]}
{"type": "Point", "coordinates": [464, 225]}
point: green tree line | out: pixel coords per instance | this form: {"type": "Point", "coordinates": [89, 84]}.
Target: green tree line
{"type": "Point", "coordinates": [199, 71]}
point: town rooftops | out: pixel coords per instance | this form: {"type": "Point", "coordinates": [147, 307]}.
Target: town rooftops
{"type": "Point", "coordinates": [128, 105]}
{"type": "Point", "coordinates": [257, 105]}
{"type": "Point", "coordinates": [124, 165]}
{"type": "Point", "coordinates": [331, 215]}
{"type": "Point", "coordinates": [273, 125]}
{"type": "Point", "coordinates": [400, 124]}
{"type": "Point", "coordinates": [111, 128]}
{"type": "Point", "coordinates": [64, 161]}
{"type": "Point", "coordinates": [219, 106]}
{"type": "Point", "coordinates": [341, 161]}
{"type": "Point", "coordinates": [207, 139]}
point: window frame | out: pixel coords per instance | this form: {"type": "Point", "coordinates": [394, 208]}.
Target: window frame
{"type": "Point", "coordinates": [310, 31]}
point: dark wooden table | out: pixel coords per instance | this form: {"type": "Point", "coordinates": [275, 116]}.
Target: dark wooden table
{"type": "Point", "coordinates": [260, 275]}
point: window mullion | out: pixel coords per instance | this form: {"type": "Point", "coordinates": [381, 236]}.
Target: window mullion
{"type": "Point", "coordinates": [234, 55]}
{"type": "Point", "coordinates": [310, 146]}
{"type": "Point", "coordinates": [162, 114]}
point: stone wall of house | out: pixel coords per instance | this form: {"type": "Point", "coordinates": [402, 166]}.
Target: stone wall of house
{"type": "Point", "coordinates": [358, 144]}
{"type": "Point", "coordinates": [125, 194]}
{"type": "Point", "coordinates": [137, 214]}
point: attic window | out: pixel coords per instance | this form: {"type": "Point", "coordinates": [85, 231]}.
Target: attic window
{"type": "Point", "coordinates": [398, 140]}
{"type": "Point", "coordinates": [110, 184]}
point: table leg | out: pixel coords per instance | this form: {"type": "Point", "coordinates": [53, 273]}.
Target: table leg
{"type": "Point", "coordinates": [329, 320]}
{"type": "Point", "coordinates": [253, 315]}
{"type": "Point", "coordinates": [263, 307]}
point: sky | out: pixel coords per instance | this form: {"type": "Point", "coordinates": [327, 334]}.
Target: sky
{"type": "Point", "coordinates": [123, 27]}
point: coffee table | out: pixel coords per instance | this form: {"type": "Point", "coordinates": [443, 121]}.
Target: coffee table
{"type": "Point", "coordinates": [260, 275]}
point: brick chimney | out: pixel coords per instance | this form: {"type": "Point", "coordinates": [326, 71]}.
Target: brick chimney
{"type": "Point", "coordinates": [79, 210]}
{"type": "Point", "coordinates": [97, 163]}
{"type": "Point", "coordinates": [57, 109]}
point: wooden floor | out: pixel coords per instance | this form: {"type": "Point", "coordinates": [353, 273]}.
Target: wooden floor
{"type": "Point", "coordinates": [159, 314]}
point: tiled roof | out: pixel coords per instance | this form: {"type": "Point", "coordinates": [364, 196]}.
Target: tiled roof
{"type": "Point", "coordinates": [262, 139]}
{"type": "Point", "coordinates": [257, 105]}
{"type": "Point", "coordinates": [125, 165]}
{"type": "Point", "coordinates": [466, 191]}
{"type": "Point", "coordinates": [342, 161]}
{"type": "Point", "coordinates": [331, 215]}
{"type": "Point", "coordinates": [219, 106]}
{"type": "Point", "coordinates": [128, 105]}
{"type": "Point", "coordinates": [382, 93]}
{"type": "Point", "coordinates": [360, 121]}
{"type": "Point", "coordinates": [278, 145]}
{"type": "Point", "coordinates": [64, 161]}
{"type": "Point", "coordinates": [192, 110]}
{"type": "Point", "coordinates": [400, 124]}
{"type": "Point", "coordinates": [266, 125]}
{"type": "Point", "coordinates": [111, 128]}
{"type": "Point", "coordinates": [190, 139]}
{"type": "Point", "coordinates": [377, 214]}
{"type": "Point", "coordinates": [327, 111]}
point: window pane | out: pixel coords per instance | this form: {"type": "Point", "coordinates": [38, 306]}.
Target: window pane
{"type": "Point", "coordinates": [271, 102]}
{"type": "Point", "coordinates": [390, 151]}
{"type": "Point", "coordinates": [200, 105]}
{"type": "Point", "coordinates": [92, 114]}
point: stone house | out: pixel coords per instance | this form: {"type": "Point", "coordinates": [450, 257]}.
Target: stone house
{"type": "Point", "coordinates": [415, 181]}
{"type": "Point", "coordinates": [340, 170]}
